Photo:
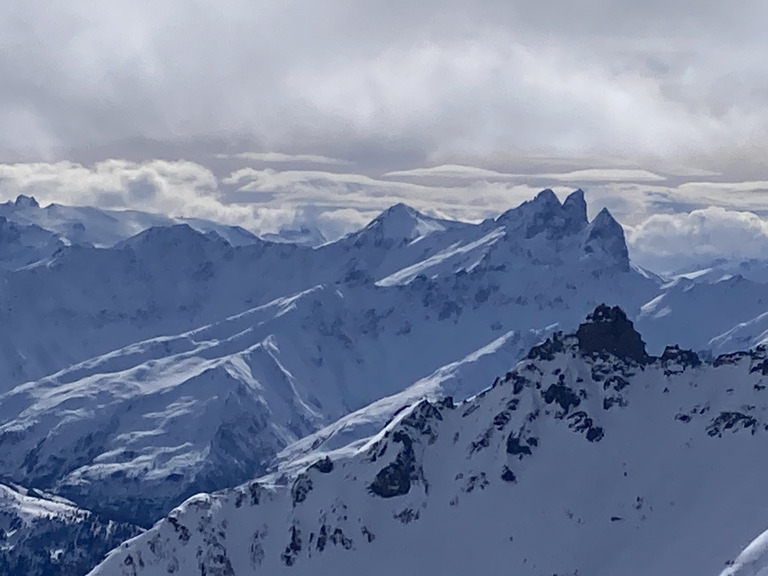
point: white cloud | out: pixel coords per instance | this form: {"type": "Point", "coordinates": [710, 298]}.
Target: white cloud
{"type": "Point", "coordinates": [474, 200]}
{"type": "Point", "coordinates": [452, 171]}
{"type": "Point", "coordinates": [173, 188]}
{"type": "Point", "coordinates": [748, 195]}
{"type": "Point", "coordinates": [612, 175]}
{"type": "Point", "coordinates": [461, 173]}
{"type": "Point", "coordinates": [336, 223]}
{"type": "Point", "coordinates": [280, 158]}
{"type": "Point", "coordinates": [668, 242]}
{"type": "Point", "coordinates": [262, 200]}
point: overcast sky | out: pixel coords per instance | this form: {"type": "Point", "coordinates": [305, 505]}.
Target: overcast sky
{"type": "Point", "coordinates": [272, 113]}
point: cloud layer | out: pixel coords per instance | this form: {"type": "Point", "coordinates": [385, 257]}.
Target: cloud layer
{"type": "Point", "coordinates": [670, 222]}
{"type": "Point", "coordinates": [682, 82]}
{"type": "Point", "coordinates": [670, 242]}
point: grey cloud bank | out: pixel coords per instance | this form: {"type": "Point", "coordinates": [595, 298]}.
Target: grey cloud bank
{"type": "Point", "coordinates": [645, 80]}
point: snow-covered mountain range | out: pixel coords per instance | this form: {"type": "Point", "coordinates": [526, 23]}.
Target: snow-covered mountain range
{"type": "Point", "coordinates": [86, 225]}
{"type": "Point", "coordinates": [390, 305]}
{"type": "Point", "coordinates": [145, 359]}
{"type": "Point", "coordinates": [590, 457]}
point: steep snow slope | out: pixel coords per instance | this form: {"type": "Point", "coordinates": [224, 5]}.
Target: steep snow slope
{"type": "Point", "coordinates": [703, 315]}
{"type": "Point", "coordinates": [752, 561]}
{"type": "Point", "coordinates": [588, 458]}
{"type": "Point", "coordinates": [86, 301]}
{"type": "Point", "coordinates": [21, 244]}
{"type": "Point", "coordinates": [399, 237]}
{"type": "Point", "coordinates": [43, 535]}
{"type": "Point", "coordinates": [749, 334]}
{"type": "Point", "coordinates": [751, 269]}
{"type": "Point", "coordinates": [459, 379]}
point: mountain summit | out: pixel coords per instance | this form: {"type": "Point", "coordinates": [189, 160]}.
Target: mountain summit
{"type": "Point", "coordinates": [23, 201]}
{"type": "Point", "coordinates": [605, 241]}
{"type": "Point", "coordinates": [397, 225]}
{"type": "Point", "coordinates": [546, 214]}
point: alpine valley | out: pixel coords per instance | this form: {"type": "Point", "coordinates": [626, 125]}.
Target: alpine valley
{"type": "Point", "coordinates": [420, 396]}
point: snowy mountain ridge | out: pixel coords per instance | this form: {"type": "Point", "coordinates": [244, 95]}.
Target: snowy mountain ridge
{"type": "Point", "coordinates": [615, 457]}
{"type": "Point", "coordinates": [178, 361]}
{"type": "Point", "coordinates": [112, 433]}
{"type": "Point", "coordinates": [87, 225]}
{"type": "Point", "coordinates": [171, 279]}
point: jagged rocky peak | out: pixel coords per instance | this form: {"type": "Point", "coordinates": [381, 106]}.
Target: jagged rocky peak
{"type": "Point", "coordinates": [605, 239]}
{"type": "Point", "coordinates": [24, 201]}
{"type": "Point", "coordinates": [546, 214]}
{"type": "Point", "coordinates": [607, 330]}
{"type": "Point", "coordinates": [604, 223]}
{"type": "Point", "coordinates": [576, 206]}
{"type": "Point", "coordinates": [676, 355]}
{"type": "Point", "coordinates": [546, 198]}
{"type": "Point", "coordinates": [399, 211]}
{"type": "Point", "coordinates": [545, 204]}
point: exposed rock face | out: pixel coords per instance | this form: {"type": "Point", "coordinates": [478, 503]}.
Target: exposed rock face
{"type": "Point", "coordinates": [395, 478]}
{"type": "Point", "coordinates": [609, 331]}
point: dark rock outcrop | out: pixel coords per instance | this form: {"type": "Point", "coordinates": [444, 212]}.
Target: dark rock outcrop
{"type": "Point", "coordinates": [395, 479]}
{"type": "Point", "coordinates": [607, 330]}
